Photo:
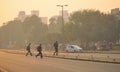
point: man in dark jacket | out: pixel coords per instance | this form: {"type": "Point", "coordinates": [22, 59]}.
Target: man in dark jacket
{"type": "Point", "coordinates": [56, 48]}
{"type": "Point", "coordinates": [39, 49]}
{"type": "Point", "coordinates": [28, 50]}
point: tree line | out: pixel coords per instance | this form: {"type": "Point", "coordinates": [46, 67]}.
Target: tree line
{"type": "Point", "coordinates": [83, 26]}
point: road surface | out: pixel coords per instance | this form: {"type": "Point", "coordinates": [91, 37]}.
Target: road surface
{"type": "Point", "coordinates": [21, 63]}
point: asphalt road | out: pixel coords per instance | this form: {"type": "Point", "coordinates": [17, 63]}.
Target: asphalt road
{"type": "Point", "coordinates": [21, 63]}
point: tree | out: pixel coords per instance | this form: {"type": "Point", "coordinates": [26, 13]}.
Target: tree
{"type": "Point", "coordinates": [12, 34]}
{"type": "Point", "coordinates": [91, 25]}
{"type": "Point", "coordinates": [55, 25]}
{"type": "Point", "coordinates": [34, 29]}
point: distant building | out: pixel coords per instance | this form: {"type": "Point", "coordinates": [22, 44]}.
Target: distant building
{"type": "Point", "coordinates": [44, 20]}
{"type": "Point", "coordinates": [21, 16]}
{"type": "Point", "coordinates": [116, 12]}
{"type": "Point", "coordinates": [65, 15]}
{"type": "Point", "coordinates": [35, 12]}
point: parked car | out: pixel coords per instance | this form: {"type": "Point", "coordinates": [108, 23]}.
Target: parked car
{"type": "Point", "coordinates": [73, 48]}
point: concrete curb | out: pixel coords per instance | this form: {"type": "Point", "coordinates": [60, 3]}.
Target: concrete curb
{"type": "Point", "coordinates": [84, 59]}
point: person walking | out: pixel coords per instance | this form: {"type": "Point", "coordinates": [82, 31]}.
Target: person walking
{"type": "Point", "coordinates": [55, 48]}
{"type": "Point", "coordinates": [28, 49]}
{"type": "Point", "coordinates": [39, 49]}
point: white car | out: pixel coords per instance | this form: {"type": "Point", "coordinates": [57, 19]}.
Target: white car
{"type": "Point", "coordinates": [73, 48]}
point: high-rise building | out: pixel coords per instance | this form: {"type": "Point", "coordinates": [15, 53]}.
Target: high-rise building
{"type": "Point", "coordinates": [65, 15]}
{"type": "Point", "coordinates": [116, 12]}
{"type": "Point", "coordinates": [35, 12]}
{"type": "Point", "coordinates": [21, 16]}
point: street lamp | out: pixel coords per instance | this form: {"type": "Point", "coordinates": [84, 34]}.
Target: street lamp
{"type": "Point", "coordinates": [62, 6]}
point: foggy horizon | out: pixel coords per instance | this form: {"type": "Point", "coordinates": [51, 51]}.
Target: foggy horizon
{"type": "Point", "coordinates": [10, 9]}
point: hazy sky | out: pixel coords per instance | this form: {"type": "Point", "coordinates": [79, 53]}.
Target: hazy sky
{"type": "Point", "coordinates": [9, 8]}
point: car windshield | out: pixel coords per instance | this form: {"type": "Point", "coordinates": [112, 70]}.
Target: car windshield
{"type": "Point", "coordinates": [75, 46]}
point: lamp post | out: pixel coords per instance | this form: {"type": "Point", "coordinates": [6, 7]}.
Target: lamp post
{"type": "Point", "coordinates": [62, 6]}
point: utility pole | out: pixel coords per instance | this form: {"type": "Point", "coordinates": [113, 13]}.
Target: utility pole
{"type": "Point", "coordinates": [62, 6]}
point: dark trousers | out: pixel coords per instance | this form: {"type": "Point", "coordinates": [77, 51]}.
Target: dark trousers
{"type": "Point", "coordinates": [29, 52]}
{"type": "Point", "coordinates": [56, 52]}
{"type": "Point", "coordinates": [39, 54]}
